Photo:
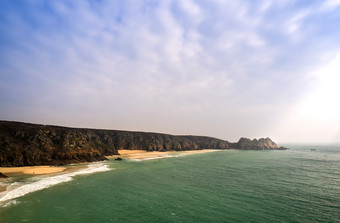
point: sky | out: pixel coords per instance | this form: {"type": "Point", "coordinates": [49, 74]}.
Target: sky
{"type": "Point", "coordinates": [220, 68]}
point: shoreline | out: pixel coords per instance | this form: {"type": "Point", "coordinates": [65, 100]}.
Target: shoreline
{"type": "Point", "coordinates": [143, 154]}
{"type": "Point", "coordinates": [37, 170]}
{"type": "Point", "coordinates": [31, 170]}
{"type": "Point", "coordinates": [64, 173]}
{"type": "Point", "coordinates": [126, 154]}
{"type": "Point", "coordinates": [34, 171]}
{"type": "Point", "coordinates": [17, 185]}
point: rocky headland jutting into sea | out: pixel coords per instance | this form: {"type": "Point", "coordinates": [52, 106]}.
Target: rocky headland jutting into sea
{"type": "Point", "coordinates": [23, 144]}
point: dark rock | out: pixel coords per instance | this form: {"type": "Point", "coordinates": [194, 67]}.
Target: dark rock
{"type": "Point", "coordinates": [282, 148]}
{"type": "Point", "coordinates": [260, 144]}
{"type": "Point", "coordinates": [3, 175]}
{"type": "Point", "coordinates": [119, 159]}
{"type": "Point", "coordinates": [23, 144]}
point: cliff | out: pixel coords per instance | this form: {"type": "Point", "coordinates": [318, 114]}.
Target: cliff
{"type": "Point", "coordinates": [260, 144]}
{"type": "Point", "coordinates": [23, 144]}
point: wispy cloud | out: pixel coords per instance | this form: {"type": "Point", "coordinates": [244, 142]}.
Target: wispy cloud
{"type": "Point", "coordinates": [172, 66]}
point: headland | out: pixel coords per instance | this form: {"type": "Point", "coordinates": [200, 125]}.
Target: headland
{"type": "Point", "coordinates": [24, 144]}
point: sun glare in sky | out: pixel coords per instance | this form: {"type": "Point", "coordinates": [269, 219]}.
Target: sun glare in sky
{"type": "Point", "coordinates": [318, 113]}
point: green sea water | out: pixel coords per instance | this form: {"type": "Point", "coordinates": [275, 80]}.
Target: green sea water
{"type": "Point", "coordinates": [296, 185]}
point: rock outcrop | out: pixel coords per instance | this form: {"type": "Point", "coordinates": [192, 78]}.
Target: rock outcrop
{"type": "Point", "coordinates": [3, 175]}
{"type": "Point", "coordinates": [23, 144]}
{"type": "Point", "coordinates": [260, 144]}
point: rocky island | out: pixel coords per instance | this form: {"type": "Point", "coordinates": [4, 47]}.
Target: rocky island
{"type": "Point", "coordinates": [23, 144]}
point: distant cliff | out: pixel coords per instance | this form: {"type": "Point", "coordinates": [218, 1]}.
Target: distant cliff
{"type": "Point", "coordinates": [23, 144]}
{"type": "Point", "coordinates": [260, 144]}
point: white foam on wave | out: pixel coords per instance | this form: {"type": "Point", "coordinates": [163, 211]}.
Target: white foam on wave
{"type": "Point", "coordinates": [19, 189]}
{"type": "Point", "coordinates": [9, 203]}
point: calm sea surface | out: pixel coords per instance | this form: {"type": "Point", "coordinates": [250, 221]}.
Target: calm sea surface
{"type": "Point", "coordinates": [297, 185]}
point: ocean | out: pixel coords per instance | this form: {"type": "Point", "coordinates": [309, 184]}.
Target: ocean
{"type": "Point", "coordinates": [301, 184]}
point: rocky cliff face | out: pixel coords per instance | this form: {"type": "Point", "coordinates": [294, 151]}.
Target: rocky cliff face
{"type": "Point", "coordinates": [260, 144]}
{"type": "Point", "coordinates": [23, 144]}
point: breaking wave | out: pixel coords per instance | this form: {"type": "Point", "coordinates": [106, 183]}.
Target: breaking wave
{"type": "Point", "coordinates": [19, 189]}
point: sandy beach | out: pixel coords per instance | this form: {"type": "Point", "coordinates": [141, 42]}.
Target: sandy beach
{"type": "Point", "coordinates": [126, 154]}
{"type": "Point", "coordinates": [143, 154]}
{"type": "Point", "coordinates": [32, 170]}
{"type": "Point", "coordinates": [37, 170]}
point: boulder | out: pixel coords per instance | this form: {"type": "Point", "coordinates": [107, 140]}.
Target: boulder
{"type": "Point", "coordinates": [3, 175]}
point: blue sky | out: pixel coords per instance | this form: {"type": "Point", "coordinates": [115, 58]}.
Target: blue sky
{"type": "Point", "coordinates": [218, 68]}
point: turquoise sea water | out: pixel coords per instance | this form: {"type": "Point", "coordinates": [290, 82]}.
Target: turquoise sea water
{"type": "Point", "coordinates": [296, 185]}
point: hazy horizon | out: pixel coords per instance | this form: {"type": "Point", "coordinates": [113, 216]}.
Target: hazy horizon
{"type": "Point", "coordinates": [215, 68]}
